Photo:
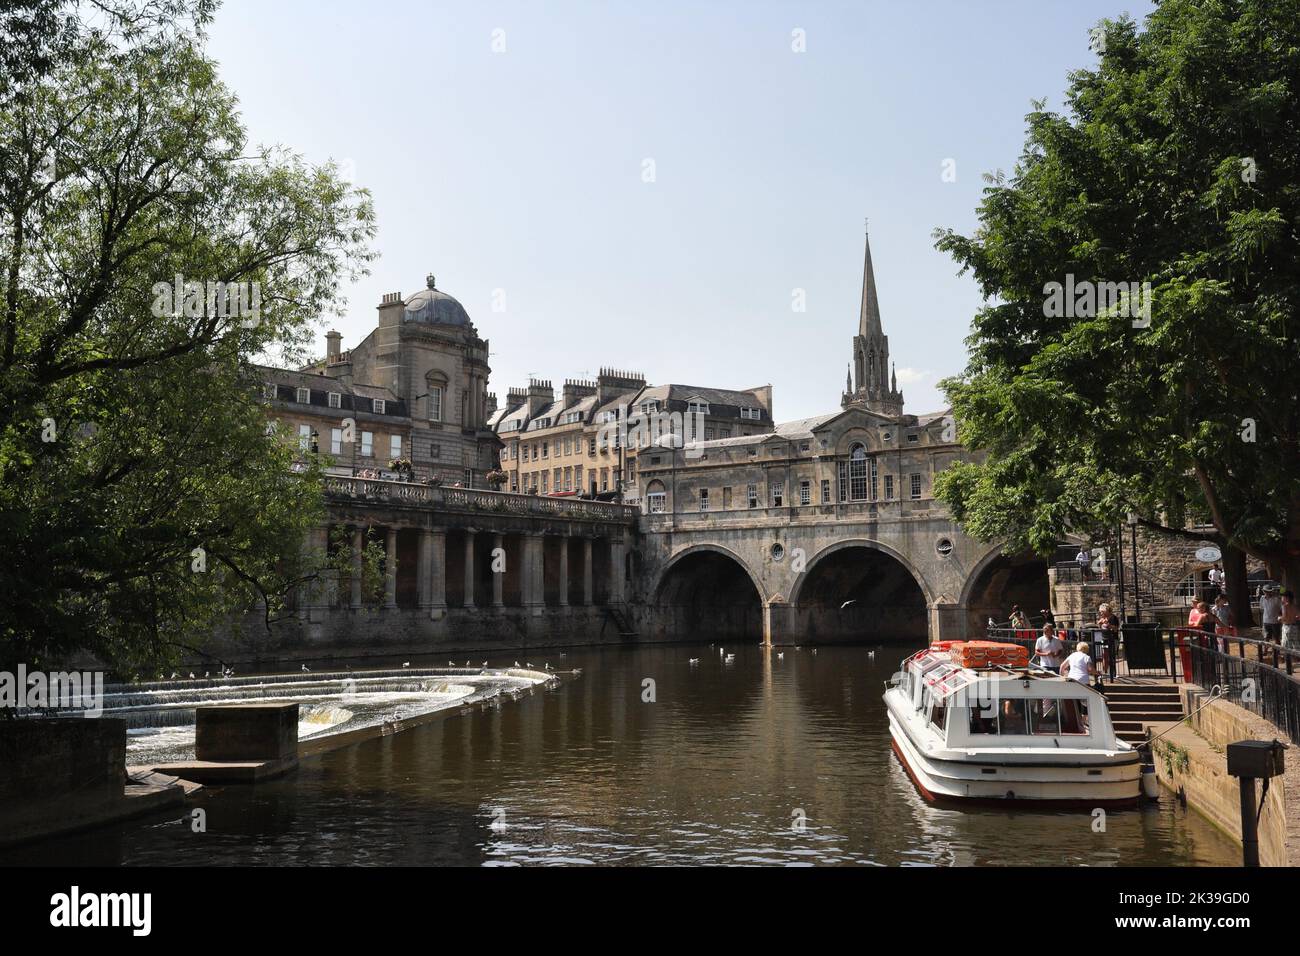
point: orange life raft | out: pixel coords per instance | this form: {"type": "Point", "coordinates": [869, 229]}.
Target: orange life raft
{"type": "Point", "coordinates": [988, 654]}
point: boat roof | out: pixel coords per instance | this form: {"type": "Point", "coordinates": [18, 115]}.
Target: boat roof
{"type": "Point", "coordinates": [944, 677]}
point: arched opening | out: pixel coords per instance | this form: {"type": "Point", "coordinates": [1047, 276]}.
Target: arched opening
{"type": "Point", "coordinates": [858, 593]}
{"type": "Point", "coordinates": [708, 595]}
{"type": "Point", "coordinates": [1005, 581]}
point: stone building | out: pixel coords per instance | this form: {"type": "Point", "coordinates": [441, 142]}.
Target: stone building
{"type": "Point", "coordinates": [579, 443]}
{"type": "Point", "coordinates": [419, 378]}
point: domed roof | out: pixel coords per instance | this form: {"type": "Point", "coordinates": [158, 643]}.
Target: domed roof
{"type": "Point", "coordinates": [435, 308]}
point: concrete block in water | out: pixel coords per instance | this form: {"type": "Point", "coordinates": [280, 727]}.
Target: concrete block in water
{"type": "Point", "coordinates": [246, 732]}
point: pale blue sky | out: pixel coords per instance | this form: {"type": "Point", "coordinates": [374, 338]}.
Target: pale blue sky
{"type": "Point", "coordinates": [521, 170]}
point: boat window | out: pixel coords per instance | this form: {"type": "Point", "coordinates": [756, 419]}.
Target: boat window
{"type": "Point", "coordinates": [983, 719]}
{"type": "Point", "coordinates": [938, 715]}
{"type": "Point", "coordinates": [1044, 716]}
{"type": "Point", "coordinates": [1011, 717]}
{"type": "Point", "coordinates": [1074, 717]}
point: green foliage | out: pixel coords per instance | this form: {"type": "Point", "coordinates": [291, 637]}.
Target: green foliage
{"type": "Point", "coordinates": [1177, 163]}
{"type": "Point", "coordinates": [131, 436]}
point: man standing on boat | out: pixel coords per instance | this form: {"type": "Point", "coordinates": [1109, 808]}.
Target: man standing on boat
{"type": "Point", "coordinates": [1048, 647]}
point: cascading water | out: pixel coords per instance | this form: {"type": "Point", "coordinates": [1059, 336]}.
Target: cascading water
{"type": "Point", "coordinates": [160, 718]}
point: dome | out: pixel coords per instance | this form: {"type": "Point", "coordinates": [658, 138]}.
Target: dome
{"type": "Point", "coordinates": [433, 307]}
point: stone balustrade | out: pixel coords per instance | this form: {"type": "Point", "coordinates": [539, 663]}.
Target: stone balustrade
{"type": "Point", "coordinates": [442, 498]}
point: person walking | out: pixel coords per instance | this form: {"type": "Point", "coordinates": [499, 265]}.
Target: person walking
{"type": "Point", "coordinates": [1270, 613]}
{"type": "Point", "coordinates": [1108, 638]}
{"type": "Point", "coordinates": [1216, 582]}
{"type": "Point", "coordinates": [1290, 621]}
{"type": "Point", "coordinates": [1084, 560]}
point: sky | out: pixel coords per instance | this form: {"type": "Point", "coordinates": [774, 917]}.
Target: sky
{"type": "Point", "coordinates": [658, 187]}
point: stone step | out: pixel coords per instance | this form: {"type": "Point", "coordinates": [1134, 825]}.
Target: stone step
{"type": "Point", "coordinates": [1146, 690]}
{"type": "Point", "coordinates": [1169, 710]}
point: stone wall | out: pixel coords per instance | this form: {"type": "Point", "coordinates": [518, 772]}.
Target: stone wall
{"type": "Point", "coordinates": [1192, 761]}
{"type": "Point", "coordinates": [42, 759]}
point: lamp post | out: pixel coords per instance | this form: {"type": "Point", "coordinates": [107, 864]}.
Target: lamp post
{"type": "Point", "coordinates": [1137, 594]}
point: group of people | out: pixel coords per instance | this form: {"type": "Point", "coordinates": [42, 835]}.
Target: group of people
{"type": "Point", "coordinates": [1079, 665]}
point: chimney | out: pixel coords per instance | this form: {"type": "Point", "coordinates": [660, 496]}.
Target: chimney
{"type": "Point", "coordinates": [515, 397]}
{"type": "Point", "coordinates": [333, 344]}
{"type": "Point", "coordinates": [491, 402]}
{"type": "Point", "coordinates": [540, 395]}
{"type": "Point", "coordinates": [577, 389]}
{"type": "Point", "coordinates": [614, 382]}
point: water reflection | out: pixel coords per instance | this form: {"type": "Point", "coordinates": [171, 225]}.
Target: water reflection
{"type": "Point", "coordinates": [722, 768]}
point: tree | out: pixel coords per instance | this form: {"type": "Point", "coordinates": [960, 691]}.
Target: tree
{"type": "Point", "coordinates": [143, 500]}
{"type": "Point", "coordinates": [1176, 165]}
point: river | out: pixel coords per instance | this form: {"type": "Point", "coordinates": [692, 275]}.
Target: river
{"type": "Point", "coordinates": [777, 757]}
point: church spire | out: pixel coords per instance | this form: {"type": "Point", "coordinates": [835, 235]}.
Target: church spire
{"type": "Point", "coordinates": [869, 317]}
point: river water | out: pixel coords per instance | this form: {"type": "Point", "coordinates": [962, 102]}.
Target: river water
{"type": "Point", "coordinates": [764, 760]}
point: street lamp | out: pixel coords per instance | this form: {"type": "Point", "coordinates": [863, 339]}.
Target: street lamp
{"type": "Point", "coordinates": [1137, 594]}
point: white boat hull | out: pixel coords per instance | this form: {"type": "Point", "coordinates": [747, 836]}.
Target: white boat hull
{"type": "Point", "coordinates": [1052, 779]}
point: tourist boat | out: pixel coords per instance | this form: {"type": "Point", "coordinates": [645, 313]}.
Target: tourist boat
{"type": "Point", "coordinates": [990, 729]}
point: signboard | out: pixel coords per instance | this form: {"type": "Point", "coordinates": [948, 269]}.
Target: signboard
{"type": "Point", "coordinates": [1208, 554]}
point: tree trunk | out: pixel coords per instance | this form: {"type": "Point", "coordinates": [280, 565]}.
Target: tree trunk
{"type": "Point", "coordinates": [1234, 570]}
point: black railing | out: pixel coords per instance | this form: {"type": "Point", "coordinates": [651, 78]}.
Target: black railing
{"type": "Point", "coordinates": [1261, 687]}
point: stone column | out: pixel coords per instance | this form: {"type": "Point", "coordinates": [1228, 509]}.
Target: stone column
{"type": "Point", "coordinates": [356, 568]}
{"type": "Point", "coordinates": [588, 581]}
{"type": "Point", "coordinates": [533, 581]}
{"type": "Point", "coordinates": [423, 559]}
{"type": "Point", "coordinates": [564, 571]}
{"type": "Point", "coordinates": [469, 568]}
{"type": "Point", "coordinates": [437, 570]}
{"type": "Point", "coordinates": [498, 577]}
{"type": "Point", "coordinates": [615, 571]}
{"type": "Point", "coordinates": [390, 568]}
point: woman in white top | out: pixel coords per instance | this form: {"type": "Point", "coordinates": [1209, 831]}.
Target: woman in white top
{"type": "Point", "coordinates": [1078, 666]}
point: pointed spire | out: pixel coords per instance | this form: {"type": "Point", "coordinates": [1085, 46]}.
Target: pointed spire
{"type": "Point", "coordinates": [848, 378]}
{"type": "Point", "coordinates": [893, 378]}
{"type": "Point", "coordinates": [869, 319]}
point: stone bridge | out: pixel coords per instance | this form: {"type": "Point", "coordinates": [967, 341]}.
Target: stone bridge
{"type": "Point", "coordinates": [888, 570]}
{"type": "Point", "coordinates": [473, 568]}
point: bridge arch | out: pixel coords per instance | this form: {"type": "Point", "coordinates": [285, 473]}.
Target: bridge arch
{"type": "Point", "coordinates": [998, 581]}
{"type": "Point", "coordinates": [708, 591]}
{"type": "Point", "coordinates": [861, 590]}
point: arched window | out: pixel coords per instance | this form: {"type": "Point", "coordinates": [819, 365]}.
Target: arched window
{"type": "Point", "coordinates": [656, 498]}
{"type": "Point", "coordinates": [854, 475]}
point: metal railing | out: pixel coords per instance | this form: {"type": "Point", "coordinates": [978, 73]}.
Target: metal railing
{"type": "Point", "coordinates": [1260, 685]}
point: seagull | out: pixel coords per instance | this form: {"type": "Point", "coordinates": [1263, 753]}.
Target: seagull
{"type": "Point", "coordinates": [205, 675]}
{"type": "Point", "coordinates": [191, 675]}
{"type": "Point", "coordinates": [306, 669]}
{"type": "Point", "coordinates": [485, 663]}
{"type": "Point", "coordinates": [467, 663]}
{"type": "Point", "coordinates": [451, 663]}
{"type": "Point", "coordinates": [693, 660]}
{"type": "Point", "coordinates": [404, 664]}
{"type": "Point", "coordinates": [174, 675]}
{"type": "Point", "coordinates": [780, 656]}
{"type": "Point", "coordinates": [516, 663]}
{"type": "Point", "coordinates": [848, 602]}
